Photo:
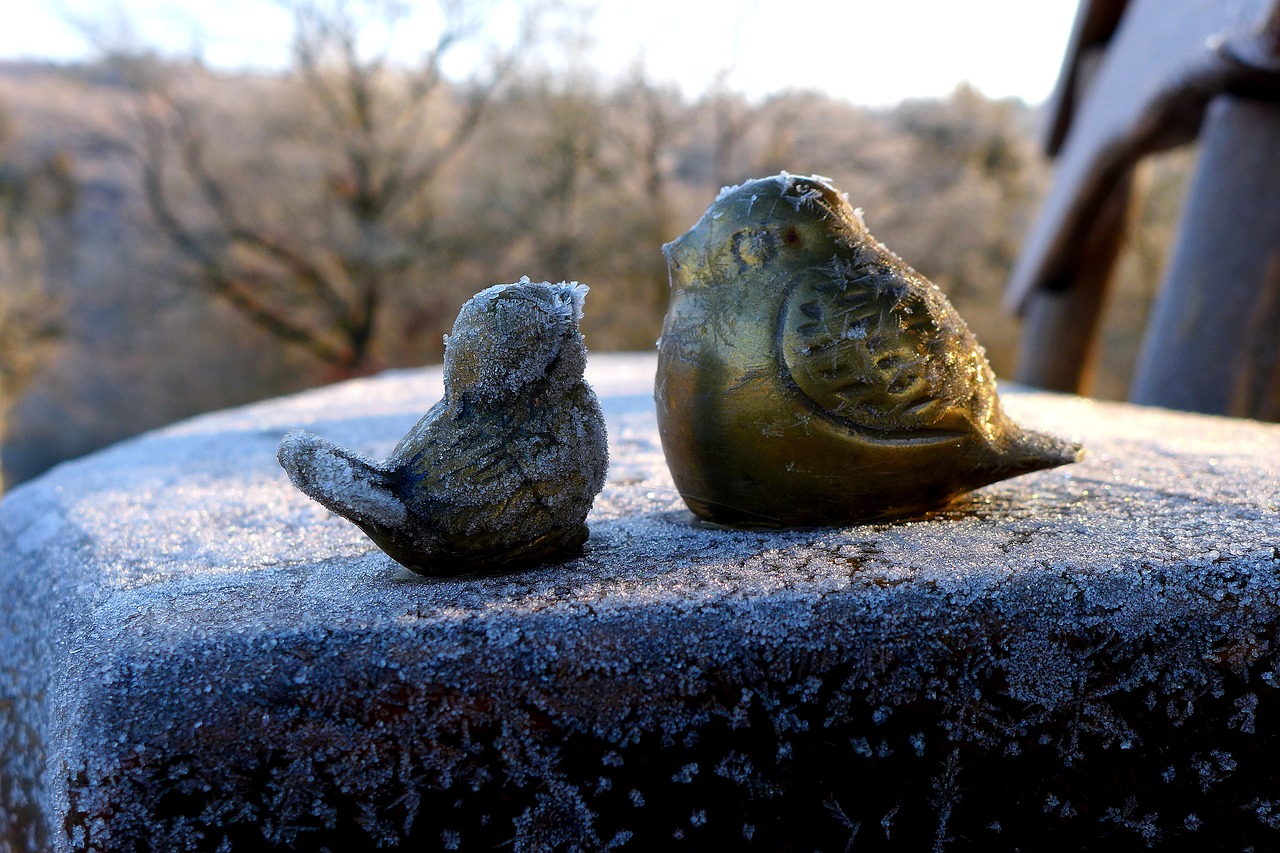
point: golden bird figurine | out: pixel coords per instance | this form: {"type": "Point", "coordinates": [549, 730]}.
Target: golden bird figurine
{"type": "Point", "coordinates": [501, 472]}
{"type": "Point", "coordinates": [807, 376]}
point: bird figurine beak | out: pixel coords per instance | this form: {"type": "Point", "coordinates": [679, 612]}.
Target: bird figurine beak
{"type": "Point", "coordinates": [573, 294]}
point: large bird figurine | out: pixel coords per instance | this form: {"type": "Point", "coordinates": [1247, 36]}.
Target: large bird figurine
{"type": "Point", "coordinates": [501, 472]}
{"type": "Point", "coordinates": [807, 376]}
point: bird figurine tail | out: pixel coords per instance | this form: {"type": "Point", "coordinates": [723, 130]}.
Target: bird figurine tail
{"type": "Point", "coordinates": [1029, 451]}
{"type": "Point", "coordinates": [342, 481]}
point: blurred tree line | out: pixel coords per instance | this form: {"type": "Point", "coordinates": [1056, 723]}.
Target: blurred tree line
{"type": "Point", "coordinates": [228, 237]}
{"type": "Point", "coordinates": [30, 193]}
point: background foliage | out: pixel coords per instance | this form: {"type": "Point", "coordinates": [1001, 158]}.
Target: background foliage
{"type": "Point", "coordinates": [193, 239]}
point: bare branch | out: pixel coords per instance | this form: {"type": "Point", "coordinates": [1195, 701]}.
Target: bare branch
{"type": "Point", "coordinates": [31, 318]}
{"type": "Point", "coordinates": [321, 280]}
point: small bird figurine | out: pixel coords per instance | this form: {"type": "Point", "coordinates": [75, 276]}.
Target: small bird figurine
{"type": "Point", "coordinates": [807, 376]}
{"type": "Point", "coordinates": [501, 472]}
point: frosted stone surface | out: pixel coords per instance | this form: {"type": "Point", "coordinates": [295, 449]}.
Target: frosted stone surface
{"type": "Point", "coordinates": [194, 656]}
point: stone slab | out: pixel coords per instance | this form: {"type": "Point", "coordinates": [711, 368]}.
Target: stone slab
{"type": "Point", "coordinates": [193, 656]}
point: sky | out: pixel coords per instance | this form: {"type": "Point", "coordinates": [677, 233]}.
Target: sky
{"type": "Point", "coordinates": [872, 52]}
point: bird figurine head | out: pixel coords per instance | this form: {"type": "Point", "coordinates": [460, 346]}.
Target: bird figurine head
{"type": "Point", "coordinates": [503, 470]}
{"type": "Point", "coordinates": [510, 337]}
{"type": "Point", "coordinates": [807, 376]}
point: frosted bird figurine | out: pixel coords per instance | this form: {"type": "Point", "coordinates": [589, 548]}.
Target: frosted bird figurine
{"type": "Point", "coordinates": [807, 376]}
{"type": "Point", "coordinates": [501, 472]}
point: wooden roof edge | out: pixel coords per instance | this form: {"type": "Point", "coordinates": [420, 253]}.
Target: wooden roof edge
{"type": "Point", "coordinates": [1096, 21]}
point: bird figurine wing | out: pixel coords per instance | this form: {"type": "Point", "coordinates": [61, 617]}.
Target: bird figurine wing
{"type": "Point", "coordinates": [523, 464]}
{"type": "Point", "coordinates": [460, 467]}
{"type": "Point", "coordinates": [863, 343]}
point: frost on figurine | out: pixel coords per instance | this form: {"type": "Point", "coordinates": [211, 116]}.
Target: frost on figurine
{"type": "Point", "coordinates": [501, 472]}
{"type": "Point", "coordinates": [807, 376]}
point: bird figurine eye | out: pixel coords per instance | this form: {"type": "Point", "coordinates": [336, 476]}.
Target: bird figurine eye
{"type": "Point", "coordinates": [754, 247]}
{"type": "Point", "coordinates": [513, 321]}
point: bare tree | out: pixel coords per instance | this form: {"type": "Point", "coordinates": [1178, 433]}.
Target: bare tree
{"type": "Point", "coordinates": [30, 317]}
{"type": "Point", "coordinates": [732, 116]}
{"type": "Point", "coordinates": [317, 266]}
{"type": "Point", "coordinates": [569, 156]}
{"type": "Point", "coordinates": [651, 130]}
